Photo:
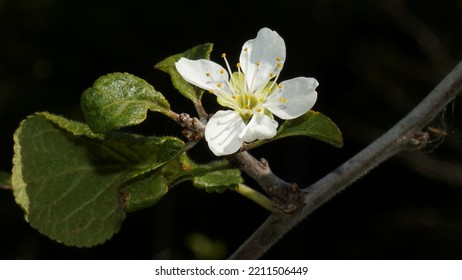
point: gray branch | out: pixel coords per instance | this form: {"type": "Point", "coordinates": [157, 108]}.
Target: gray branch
{"type": "Point", "coordinates": [405, 135]}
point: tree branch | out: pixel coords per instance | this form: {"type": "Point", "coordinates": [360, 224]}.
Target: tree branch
{"type": "Point", "coordinates": [287, 196]}
{"type": "Point", "coordinates": [403, 136]}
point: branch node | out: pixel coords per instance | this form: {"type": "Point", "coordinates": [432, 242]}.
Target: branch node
{"type": "Point", "coordinates": [193, 127]}
{"type": "Point", "coordinates": [265, 163]}
{"type": "Point", "coordinates": [286, 196]}
{"type": "Point", "coordinates": [418, 141]}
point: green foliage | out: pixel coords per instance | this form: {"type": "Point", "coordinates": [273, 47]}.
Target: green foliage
{"type": "Point", "coordinates": [67, 180]}
{"type": "Point", "coordinates": [76, 181]}
{"type": "Point", "coordinates": [218, 181]}
{"type": "Point", "coordinates": [315, 125]}
{"type": "Point", "coordinates": [67, 192]}
{"type": "Point", "coordinates": [311, 124]}
{"type": "Point", "coordinates": [168, 65]}
{"type": "Point", "coordinates": [75, 186]}
{"type": "Point", "coordinates": [142, 192]}
{"type": "Point", "coordinates": [118, 100]}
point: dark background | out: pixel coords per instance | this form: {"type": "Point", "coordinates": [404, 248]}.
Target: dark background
{"type": "Point", "coordinates": [375, 60]}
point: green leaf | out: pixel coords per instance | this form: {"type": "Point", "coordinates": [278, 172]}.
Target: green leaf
{"type": "Point", "coordinates": [219, 181]}
{"type": "Point", "coordinates": [67, 179]}
{"type": "Point", "coordinates": [168, 65]}
{"type": "Point", "coordinates": [217, 176]}
{"type": "Point", "coordinates": [118, 100]}
{"type": "Point", "coordinates": [142, 192]}
{"type": "Point", "coordinates": [312, 124]}
{"type": "Point", "coordinates": [145, 187]}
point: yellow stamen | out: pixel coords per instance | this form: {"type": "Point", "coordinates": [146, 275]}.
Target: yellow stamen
{"type": "Point", "coordinates": [212, 91]}
{"type": "Point", "coordinates": [257, 63]}
{"type": "Point", "coordinates": [223, 55]}
{"type": "Point", "coordinates": [222, 71]}
{"type": "Point", "coordinates": [207, 74]}
{"type": "Point", "coordinates": [271, 75]}
{"type": "Point", "coordinates": [219, 85]}
{"type": "Point", "coordinates": [283, 100]}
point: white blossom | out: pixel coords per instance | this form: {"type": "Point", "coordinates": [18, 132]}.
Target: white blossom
{"type": "Point", "coordinates": [252, 93]}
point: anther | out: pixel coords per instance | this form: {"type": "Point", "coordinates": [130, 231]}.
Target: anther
{"type": "Point", "coordinates": [283, 100]}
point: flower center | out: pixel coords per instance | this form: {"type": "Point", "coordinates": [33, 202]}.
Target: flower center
{"type": "Point", "coordinates": [247, 102]}
{"type": "Point", "coordinates": [242, 100]}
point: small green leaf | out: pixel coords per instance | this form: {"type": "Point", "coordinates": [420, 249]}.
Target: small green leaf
{"type": "Point", "coordinates": [216, 176]}
{"type": "Point", "coordinates": [145, 187]}
{"type": "Point", "coordinates": [142, 192]}
{"type": "Point", "coordinates": [67, 179]}
{"type": "Point", "coordinates": [168, 65]}
{"type": "Point", "coordinates": [312, 124]}
{"type": "Point", "coordinates": [219, 181]}
{"type": "Point", "coordinates": [118, 100]}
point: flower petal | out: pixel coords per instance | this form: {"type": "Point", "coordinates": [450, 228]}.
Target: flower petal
{"type": "Point", "coordinates": [222, 132]}
{"type": "Point", "coordinates": [205, 74]}
{"type": "Point", "coordinates": [260, 127]}
{"type": "Point", "coordinates": [262, 57]}
{"type": "Point", "coordinates": [293, 98]}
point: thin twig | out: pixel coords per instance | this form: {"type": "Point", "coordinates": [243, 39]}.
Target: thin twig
{"type": "Point", "coordinates": [287, 196]}
{"type": "Point", "coordinates": [200, 109]}
{"type": "Point", "coordinates": [395, 140]}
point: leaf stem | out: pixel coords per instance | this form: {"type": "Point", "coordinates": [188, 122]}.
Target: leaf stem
{"type": "Point", "coordinates": [257, 197]}
{"type": "Point", "coordinates": [200, 109]}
